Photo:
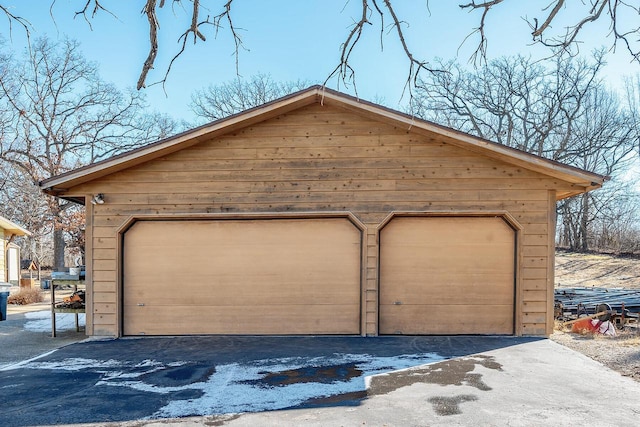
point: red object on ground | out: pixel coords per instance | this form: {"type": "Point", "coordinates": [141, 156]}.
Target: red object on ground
{"type": "Point", "coordinates": [585, 326]}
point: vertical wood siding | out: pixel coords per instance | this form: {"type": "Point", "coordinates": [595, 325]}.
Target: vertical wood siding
{"type": "Point", "coordinates": [322, 158]}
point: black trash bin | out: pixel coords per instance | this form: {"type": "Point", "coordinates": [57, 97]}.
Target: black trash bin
{"type": "Point", "coordinates": [4, 294]}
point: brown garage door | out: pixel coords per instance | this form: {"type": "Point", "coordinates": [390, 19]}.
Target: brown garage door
{"type": "Point", "coordinates": [289, 276]}
{"type": "Point", "coordinates": [449, 275]}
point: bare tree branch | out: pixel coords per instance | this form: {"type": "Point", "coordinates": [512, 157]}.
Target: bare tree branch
{"type": "Point", "coordinates": [11, 18]}
{"type": "Point", "coordinates": [539, 30]}
{"type": "Point", "coordinates": [480, 54]}
{"type": "Point", "coordinates": [150, 11]}
{"type": "Point", "coordinates": [549, 27]}
{"type": "Point", "coordinates": [237, 41]}
{"type": "Point", "coordinates": [617, 12]}
{"type": "Point", "coordinates": [346, 73]}
{"type": "Point", "coordinates": [97, 7]}
{"type": "Point", "coordinates": [415, 65]}
{"type": "Point", "coordinates": [193, 30]}
{"type": "Point", "coordinates": [572, 32]}
{"type": "Point", "coordinates": [343, 70]}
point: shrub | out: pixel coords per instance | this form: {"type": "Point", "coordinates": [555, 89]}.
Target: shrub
{"type": "Point", "coordinates": [26, 296]}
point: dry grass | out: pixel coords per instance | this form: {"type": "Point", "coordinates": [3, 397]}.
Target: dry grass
{"type": "Point", "coordinates": [632, 340]}
{"type": "Point", "coordinates": [596, 270]}
{"type": "Point", "coordinates": [26, 296]}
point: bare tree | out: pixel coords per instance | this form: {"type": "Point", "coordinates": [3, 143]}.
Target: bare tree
{"type": "Point", "coordinates": [602, 140]}
{"type": "Point", "coordinates": [60, 115]}
{"type": "Point", "coordinates": [632, 96]}
{"type": "Point", "coordinates": [513, 100]}
{"type": "Point", "coordinates": [22, 202]}
{"type": "Point", "coordinates": [549, 26]}
{"type": "Point", "coordinates": [218, 101]}
{"type": "Point", "coordinates": [561, 111]}
{"type": "Point", "coordinates": [605, 221]}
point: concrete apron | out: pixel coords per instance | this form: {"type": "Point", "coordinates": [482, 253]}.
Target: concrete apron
{"type": "Point", "coordinates": [537, 383]}
{"type": "Point", "coordinates": [357, 381]}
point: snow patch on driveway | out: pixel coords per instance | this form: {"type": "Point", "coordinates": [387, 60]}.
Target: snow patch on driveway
{"type": "Point", "coordinates": [237, 388]}
{"type": "Point", "coordinates": [40, 321]}
{"type": "Point", "coordinates": [111, 368]}
{"type": "Point", "coordinates": [259, 385]}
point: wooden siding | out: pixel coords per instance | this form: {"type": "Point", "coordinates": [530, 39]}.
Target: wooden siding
{"type": "Point", "coordinates": [319, 159]}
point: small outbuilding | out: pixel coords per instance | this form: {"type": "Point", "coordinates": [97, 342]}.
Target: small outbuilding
{"type": "Point", "coordinates": [319, 213]}
{"type": "Point", "coordinates": [10, 253]}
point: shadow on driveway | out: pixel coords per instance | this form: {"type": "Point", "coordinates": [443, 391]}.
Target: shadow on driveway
{"type": "Point", "coordinates": [164, 377]}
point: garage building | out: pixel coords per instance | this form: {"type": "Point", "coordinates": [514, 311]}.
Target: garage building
{"type": "Point", "coordinates": [319, 213]}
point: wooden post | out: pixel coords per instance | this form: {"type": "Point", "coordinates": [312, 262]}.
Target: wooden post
{"type": "Point", "coordinates": [53, 309]}
{"type": "Point", "coordinates": [600, 313]}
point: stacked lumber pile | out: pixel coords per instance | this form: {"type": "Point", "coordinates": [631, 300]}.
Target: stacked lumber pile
{"type": "Point", "coordinates": [577, 302]}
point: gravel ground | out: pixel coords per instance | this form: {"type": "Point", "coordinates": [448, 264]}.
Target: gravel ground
{"type": "Point", "coordinates": [620, 353]}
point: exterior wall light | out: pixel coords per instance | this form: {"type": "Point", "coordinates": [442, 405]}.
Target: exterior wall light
{"type": "Point", "coordinates": [98, 199]}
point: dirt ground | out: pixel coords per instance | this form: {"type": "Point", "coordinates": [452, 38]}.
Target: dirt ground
{"type": "Point", "coordinates": [605, 271]}
{"type": "Point", "coordinates": [620, 353]}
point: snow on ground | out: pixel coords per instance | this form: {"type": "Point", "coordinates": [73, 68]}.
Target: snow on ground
{"type": "Point", "coordinates": [236, 388]}
{"type": "Point", "coordinates": [267, 384]}
{"type": "Point", "coordinates": [40, 321]}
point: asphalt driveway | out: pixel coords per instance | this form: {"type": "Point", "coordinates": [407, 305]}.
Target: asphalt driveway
{"type": "Point", "coordinates": [318, 381]}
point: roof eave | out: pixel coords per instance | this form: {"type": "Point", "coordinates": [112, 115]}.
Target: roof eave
{"type": "Point", "coordinates": [13, 228]}
{"type": "Point", "coordinates": [466, 141]}
{"type": "Point", "coordinates": [59, 184]}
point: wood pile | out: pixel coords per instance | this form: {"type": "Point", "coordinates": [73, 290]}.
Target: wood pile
{"type": "Point", "coordinates": [75, 301]}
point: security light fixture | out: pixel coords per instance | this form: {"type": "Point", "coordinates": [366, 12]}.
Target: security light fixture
{"type": "Point", "coordinates": [98, 199]}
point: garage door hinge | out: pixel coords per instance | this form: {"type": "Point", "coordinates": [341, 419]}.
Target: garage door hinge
{"type": "Point", "coordinates": [397, 303]}
{"type": "Point", "coordinates": [140, 304]}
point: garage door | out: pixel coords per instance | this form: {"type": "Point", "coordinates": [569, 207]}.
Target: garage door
{"type": "Point", "coordinates": [450, 275]}
{"type": "Point", "coordinates": [289, 276]}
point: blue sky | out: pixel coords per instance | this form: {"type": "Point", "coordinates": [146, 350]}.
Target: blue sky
{"type": "Point", "coordinates": [289, 40]}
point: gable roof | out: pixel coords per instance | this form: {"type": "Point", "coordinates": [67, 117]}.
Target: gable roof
{"type": "Point", "coordinates": [12, 228]}
{"type": "Point", "coordinates": [583, 180]}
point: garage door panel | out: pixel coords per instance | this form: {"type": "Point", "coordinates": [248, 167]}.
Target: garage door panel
{"type": "Point", "coordinates": [463, 230]}
{"type": "Point", "coordinates": [445, 293]}
{"type": "Point", "coordinates": [221, 294]}
{"type": "Point", "coordinates": [456, 280]}
{"type": "Point", "coordinates": [446, 264]}
{"type": "Point", "coordinates": [234, 264]}
{"type": "Point", "coordinates": [439, 260]}
{"type": "Point", "coordinates": [285, 320]}
{"type": "Point", "coordinates": [447, 319]}
{"type": "Point", "coordinates": [196, 245]}
{"type": "Point", "coordinates": [227, 271]}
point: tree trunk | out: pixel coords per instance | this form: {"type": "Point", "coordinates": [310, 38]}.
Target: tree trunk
{"type": "Point", "coordinates": [58, 249]}
{"type": "Point", "coordinates": [584, 224]}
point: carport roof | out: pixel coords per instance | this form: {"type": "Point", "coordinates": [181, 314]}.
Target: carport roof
{"type": "Point", "coordinates": [582, 180]}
